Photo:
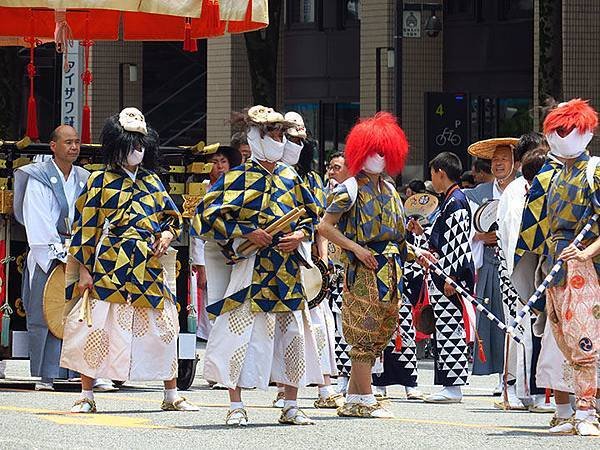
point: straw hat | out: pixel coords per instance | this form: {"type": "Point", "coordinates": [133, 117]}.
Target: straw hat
{"type": "Point", "coordinates": [485, 149]}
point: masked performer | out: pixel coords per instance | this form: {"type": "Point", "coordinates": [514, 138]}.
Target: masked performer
{"type": "Point", "coordinates": [449, 240]}
{"type": "Point", "coordinates": [299, 153]}
{"type": "Point", "coordinates": [262, 331]}
{"type": "Point", "coordinates": [531, 267]}
{"type": "Point", "coordinates": [573, 301]}
{"type": "Point", "coordinates": [125, 222]}
{"type": "Point", "coordinates": [45, 195]}
{"type": "Point", "coordinates": [369, 216]}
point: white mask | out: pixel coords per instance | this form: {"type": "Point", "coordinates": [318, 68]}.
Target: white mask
{"type": "Point", "coordinates": [291, 153]}
{"type": "Point", "coordinates": [134, 157]}
{"type": "Point", "coordinates": [132, 119]}
{"type": "Point", "coordinates": [266, 148]}
{"type": "Point", "coordinates": [374, 164]}
{"type": "Point", "coordinates": [571, 146]}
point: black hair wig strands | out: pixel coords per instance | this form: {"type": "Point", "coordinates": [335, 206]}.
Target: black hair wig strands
{"type": "Point", "coordinates": [117, 143]}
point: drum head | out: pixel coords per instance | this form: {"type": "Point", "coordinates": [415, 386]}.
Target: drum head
{"type": "Point", "coordinates": [335, 253]}
{"type": "Point", "coordinates": [54, 301]}
{"type": "Point", "coordinates": [314, 280]}
{"type": "Point", "coordinates": [485, 218]}
{"type": "Point", "coordinates": [421, 206]}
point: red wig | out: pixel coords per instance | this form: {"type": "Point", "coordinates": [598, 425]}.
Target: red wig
{"type": "Point", "coordinates": [576, 113]}
{"type": "Point", "coordinates": [379, 134]}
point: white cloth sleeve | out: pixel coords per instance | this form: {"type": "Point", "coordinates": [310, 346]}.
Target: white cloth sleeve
{"type": "Point", "coordinates": [476, 246]}
{"type": "Point", "coordinates": [197, 251]}
{"type": "Point", "coordinates": [510, 211]}
{"type": "Point", "coordinates": [40, 215]}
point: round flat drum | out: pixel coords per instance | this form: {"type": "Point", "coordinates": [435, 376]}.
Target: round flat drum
{"type": "Point", "coordinates": [314, 281]}
{"type": "Point", "coordinates": [54, 301]}
{"type": "Point", "coordinates": [420, 206]}
{"type": "Point", "coordinates": [485, 218]}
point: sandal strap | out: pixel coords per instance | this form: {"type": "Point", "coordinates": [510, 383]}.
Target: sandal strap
{"type": "Point", "coordinates": [179, 401]}
{"type": "Point", "coordinates": [241, 411]}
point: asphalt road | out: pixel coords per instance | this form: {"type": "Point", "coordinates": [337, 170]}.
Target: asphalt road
{"type": "Point", "coordinates": [132, 419]}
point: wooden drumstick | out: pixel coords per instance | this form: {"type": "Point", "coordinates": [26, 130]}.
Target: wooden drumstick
{"type": "Point", "coordinates": [83, 309]}
{"type": "Point", "coordinates": [280, 224]}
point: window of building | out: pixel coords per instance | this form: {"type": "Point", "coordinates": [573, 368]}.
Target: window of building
{"type": "Point", "coordinates": [353, 10]}
{"type": "Point", "coordinates": [301, 11]}
{"type": "Point", "coordinates": [461, 10]}
{"type": "Point", "coordinates": [516, 9]}
{"type": "Point", "coordinates": [514, 116]}
{"type": "Point", "coordinates": [458, 7]}
{"type": "Point", "coordinates": [328, 124]}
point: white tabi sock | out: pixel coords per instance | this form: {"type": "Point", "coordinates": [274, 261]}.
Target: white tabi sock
{"type": "Point", "coordinates": [171, 395]}
{"type": "Point", "coordinates": [236, 405]}
{"type": "Point", "coordinates": [352, 398]}
{"type": "Point", "coordinates": [368, 399]}
{"type": "Point", "coordinates": [326, 391]}
{"type": "Point", "coordinates": [290, 404]}
{"type": "Point", "coordinates": [583, 414]}
{"type": "Point", "coordinates": [87, 394]}
{"type": "Point", "coordinates": [564, 411]}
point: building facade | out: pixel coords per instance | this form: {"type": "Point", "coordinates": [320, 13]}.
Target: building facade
{"type": "Point", "coordinates": [485, 73]}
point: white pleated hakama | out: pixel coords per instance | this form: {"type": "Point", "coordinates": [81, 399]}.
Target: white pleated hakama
{"type": "Point", "coordinates": [251, 349]}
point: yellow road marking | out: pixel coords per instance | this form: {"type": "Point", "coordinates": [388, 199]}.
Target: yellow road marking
{"type": "Point", "coordinates": [101, 420]}
{"type": "Point", "coordinates": [108, 420]}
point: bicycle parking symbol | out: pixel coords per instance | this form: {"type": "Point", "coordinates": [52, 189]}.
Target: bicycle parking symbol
{"type": "Point", "coordinates": [448, 136]}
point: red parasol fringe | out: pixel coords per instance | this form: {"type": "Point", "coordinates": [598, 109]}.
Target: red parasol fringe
{"type": "Point", "coordinates": [189, 44]}
{"type": "Point", "coordinates": [210, 19]}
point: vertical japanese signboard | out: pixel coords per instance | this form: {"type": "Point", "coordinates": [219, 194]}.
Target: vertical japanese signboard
{"type": "Point", "coordinates": [447, 122]}
{"type": "Point", "coordinates": [72, 88]}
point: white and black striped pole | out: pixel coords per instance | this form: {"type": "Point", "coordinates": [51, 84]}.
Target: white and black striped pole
{"type": "Point", "coordinates": [469, 297]}
{"type": "Point", "coordinates": [542, 287]}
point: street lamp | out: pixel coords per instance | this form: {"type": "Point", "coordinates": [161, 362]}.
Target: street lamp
{"type": "Point", "coordinates": [433, 26]}
{"type": "Point", "coordinates": [390, 64]}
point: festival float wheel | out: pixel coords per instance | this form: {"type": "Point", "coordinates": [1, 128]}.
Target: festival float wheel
{"type": "Point", "coordinates": [186, 373]}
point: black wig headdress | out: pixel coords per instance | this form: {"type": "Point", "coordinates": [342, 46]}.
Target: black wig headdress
{"type": "Point", "coordinates": [117, 143]}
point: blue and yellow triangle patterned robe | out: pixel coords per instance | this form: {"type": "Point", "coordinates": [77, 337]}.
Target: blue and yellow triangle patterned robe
{"type": "Point", "coordinates": [136, 212]}
{"type": "Point", "coordinates": [248, 198]}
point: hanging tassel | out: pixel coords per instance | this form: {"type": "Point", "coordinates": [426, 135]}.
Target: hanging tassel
{"type": "Point", "coordinates": [398, 342]}
{"type": "Point", "coordinates": [86, 125]}
{"type": "Point", "coordinates": [192, 318]}
{"type": "Point", "coordinates": [32, 125]}
{"type": "Point", "coordinates": [548, 392]}
{"type": "Point", "coordinates": [189, 44]}
{"type": "Point", "coordinates": [210, 19]}
{"type": "Point", "coordinates": [5, 335]}
{"type": "Point", "coordinates": [480, 350]}
{"type": "Point", "coordinates": [63, 36]}
{"type": "Point", "coordinates": [192, 322]}
{"type": "Point", "coordinates": [87, 78]}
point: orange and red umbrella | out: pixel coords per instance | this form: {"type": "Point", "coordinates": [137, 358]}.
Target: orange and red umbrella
{"type": "Point", "coordinates": [32, 22]}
